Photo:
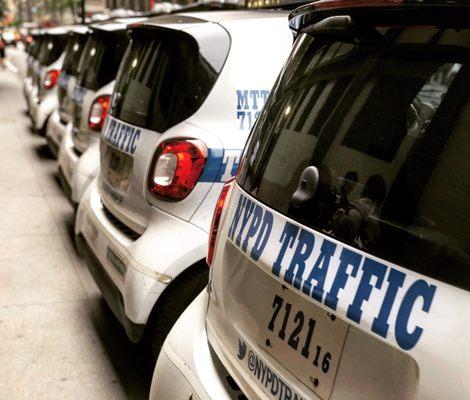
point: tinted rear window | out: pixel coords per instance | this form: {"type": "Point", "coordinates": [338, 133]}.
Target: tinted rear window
{"type": "Point", "coordinates": [386, 126]}
{"type": "Point", "coordinates": [101, 57]}
{"type": "Point", "coordinates": [33, 47]}
{"type": "Point", "coordinates": [73, 51]}
{"type": "Point", "coordinates": [50, 49]}
{"type": "Point", "coordinates": [166, 76]}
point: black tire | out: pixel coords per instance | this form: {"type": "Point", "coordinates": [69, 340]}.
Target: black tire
{"type": "Point", "coordinates": [173, 301]}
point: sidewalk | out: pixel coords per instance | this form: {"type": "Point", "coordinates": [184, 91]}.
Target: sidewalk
{"type": "Point", "coordinates": [57, 337]}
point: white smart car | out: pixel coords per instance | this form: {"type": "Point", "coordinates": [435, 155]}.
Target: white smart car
{"type": "Point", "coordinates": [60, 120]}
{"type": "Point", "coordinates": [340, 255]}
{"type": "Point", "coordinates": [188, 92]}
{"type": "Point", "coordinates": [43, 95]}
{"type": "Point", "coordinates": [32, 51]}
{"type": "Point", "coordinates": [79, 150]}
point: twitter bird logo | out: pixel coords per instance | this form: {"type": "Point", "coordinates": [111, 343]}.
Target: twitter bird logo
{"type": "Point", "coordinates": [241, 350]}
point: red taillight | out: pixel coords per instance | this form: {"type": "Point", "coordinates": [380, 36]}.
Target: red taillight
{"type": "Point", "coordinates": [99, 111]}
{"type": "Point", "coordinates": [214, 232]}
{"type": "Point", "coordinates": [51, 78]}
{"type": "Point", "coordinates": [176, 168]}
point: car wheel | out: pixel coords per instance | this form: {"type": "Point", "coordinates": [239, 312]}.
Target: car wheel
{"type": "Point", "coordinates": [174, 300]}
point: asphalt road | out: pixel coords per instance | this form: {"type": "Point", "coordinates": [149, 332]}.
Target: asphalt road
{"type": "Point", "coordinates": [58, 339]}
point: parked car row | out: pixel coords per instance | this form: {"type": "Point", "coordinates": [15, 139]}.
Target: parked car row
{"type": "Point", "coordinates": [322, 256]}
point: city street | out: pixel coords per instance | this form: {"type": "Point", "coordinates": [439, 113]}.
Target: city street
{"type": "Point", "coordinates": [58, 340]}
{"type": "Point", "coordinates": [234, 200]}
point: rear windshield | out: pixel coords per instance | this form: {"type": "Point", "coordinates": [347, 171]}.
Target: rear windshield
{"type": "Point", "coordinates": [386, 127]}
{"type": "Point", "coordinates": [51, 48]}
{"type": "Point", "coordinates": [73, 51]}
{"type": "Point", "coordinates": [166, 76]}
{"type": "Point", "coordinates": [101, 58]}
{"type": "Point", "coordinates": [33, 47]}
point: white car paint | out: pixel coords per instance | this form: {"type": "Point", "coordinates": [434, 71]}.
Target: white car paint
{"type": "Point", "coordinates": [169, 237]}
{"type": "Point", "coordinates": [80, 168]}
{"type": "Point", "coordinates": [60, 121]}
{"type": "Point", "coordinates": [389, 330]}
{"type": "Point", "coordinates": [43, 102]}
{"type": "Point", "coordinates": [79, 154]}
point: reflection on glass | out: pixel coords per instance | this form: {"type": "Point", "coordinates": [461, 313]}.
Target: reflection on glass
{"type": "Point", "coordinates": [386, 125]}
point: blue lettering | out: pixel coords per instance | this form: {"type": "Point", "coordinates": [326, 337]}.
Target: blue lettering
{"type": "Point", "coordinates": [405, 339]}
{"type": "Point", "coordinates": [115, 133]}
{"type": "Point", "coordinates": [255, 222]}
{"type": "Point", "coordinates": [129, 142]}
{"type": "Point", "coordinates": [242, 100]}
{"type": "Point", "coordinates": [119, 135]}
{"type": "Point", "coordinates": [369, 269]}
{"type": "Point", "coordinates": [135, 137]}
{"type": "Point", "coordinates": [110, 130]}
{"type": "Point", "coordinates": [287, 239]}
{"type": "Point", "coordinates": [263, 236]}
{"type": "Point", "coordinates": [254, 96]}
{"type": "Point", "coordinates": [122, 132]}
{"type": "Point", "coordinates": [302, 253]}
{"type": "Point", "coordinates": [236, 216]}
{"type": "Point", "coordinates": [124, 135]}
{"type": "Point", "coordinates": [395, 281]}
{"type": "Point", "coordinates": [248, 211]}
{"type": "Point", "coordinates": [347, 258]}
{"type": "Point", "coordinates": [241, 117]}
{"type": "Point", "coordinates": [319, 271]}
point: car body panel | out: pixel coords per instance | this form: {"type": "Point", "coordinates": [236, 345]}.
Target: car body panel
{"type": "Point", "coordinates": [341, 250]}
{"type": "Point", "coordinates": [79, 153]}
{"type": "Point", "coordinates": [180, 228]}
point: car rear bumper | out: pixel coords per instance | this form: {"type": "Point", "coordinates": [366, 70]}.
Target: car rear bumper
{"type": "Point", "coordinates": [55, 132]}
{"type": "Point", "coordinates": [139, 266]}
{"type": "Point", "coordinates": [33, 108]}
{"type": "Point", "coordinates": [27, 87]}
{"type": "Point", "coordinates": [126, 289]}
{"type": "Point", "coordinates": [77, 170]}
{"type": "Point", "coordinates": [109, 290]}
{"type": "Point", "coordinates": [187, 366]}
{"type": "Point", "coordinates": [68, 159]}
{"type": "Point", "coordinates": [41, 110]}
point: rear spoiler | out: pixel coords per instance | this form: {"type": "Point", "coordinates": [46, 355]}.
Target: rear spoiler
{"type": "Point", "coordinates": [385, 13]}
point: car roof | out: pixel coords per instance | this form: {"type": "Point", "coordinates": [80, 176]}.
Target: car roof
{"type": "Point", "coordinates": [184, 20]}
{"type": "Point", "coordinates": [80, 29]}
{"type": "Point", "coordinates": [37, 32]}
{"type": "Point", "coordinates": [454, 13]}
{"type": "Point", "coordinates": [59, 30]}
{"type": "Point", "coordinates": [116, 24]}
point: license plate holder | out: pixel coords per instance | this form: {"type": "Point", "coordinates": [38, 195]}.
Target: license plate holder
{"type": "Point", "coordinates": [118, 167]}
{"type": "Point", "coordinates": [305, 339]}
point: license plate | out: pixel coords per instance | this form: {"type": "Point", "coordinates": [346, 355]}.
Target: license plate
{"type": "Point", "coordinates": [118, 169]}
{"type": "Point", "coordinates": [303, 338]}
{"type": "Point", "coordinates": [78, 94]}
{"type": "Point", "coordinates": [63, 81]}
